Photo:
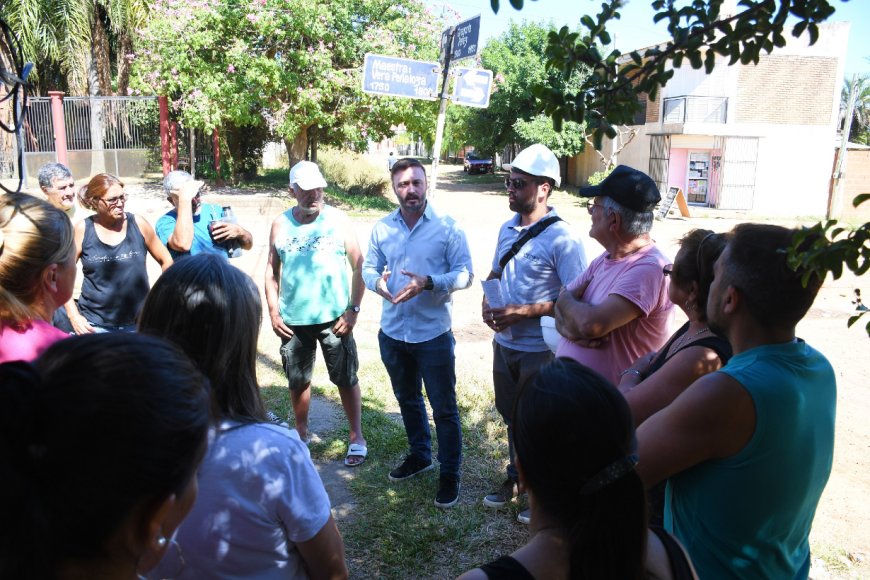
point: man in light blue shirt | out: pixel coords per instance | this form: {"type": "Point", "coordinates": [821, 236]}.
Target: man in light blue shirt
{"type": "Point", "coordinates": [417, 257]}
{"type": "Point", "coordinates": [531, 280]}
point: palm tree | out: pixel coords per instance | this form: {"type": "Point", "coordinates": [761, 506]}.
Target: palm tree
{"type": "Point", "coordinates": [72, 41]}
{"type": "Point", "coordinates": [860, 131]}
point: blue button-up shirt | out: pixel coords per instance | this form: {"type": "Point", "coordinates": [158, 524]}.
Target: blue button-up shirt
{"type": "Point", "coordinates": [436, 247]}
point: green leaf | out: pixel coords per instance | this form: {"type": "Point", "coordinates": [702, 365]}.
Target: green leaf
{"type": "Point", "coordinates": [854, 319]}
{"type": "Point", "coordinates": [860, 198]}
{"type": "Point", "coordinates": [814, 32]}
{"type": "Point", "coordinates": [709, 61]}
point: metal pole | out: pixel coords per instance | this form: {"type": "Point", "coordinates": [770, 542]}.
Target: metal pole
{"type": "Point", "coordinates": [165, 145]}
{"type": "Point", "coordinates": [836, 206]}
{"type": "Point", "coordinates": [442, 113]}
{"type": "Point", "coordinates": [192, 153]}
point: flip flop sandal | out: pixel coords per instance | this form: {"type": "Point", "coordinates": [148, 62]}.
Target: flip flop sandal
{"type": "Point", "coordinates": [356, 450]}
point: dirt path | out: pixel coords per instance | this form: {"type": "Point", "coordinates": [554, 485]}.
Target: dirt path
{"type": "Point", "coordinates": [841, 534]}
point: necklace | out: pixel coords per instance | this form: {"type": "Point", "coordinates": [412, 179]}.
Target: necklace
{"type": "Point", "coordinates": [687, 338]}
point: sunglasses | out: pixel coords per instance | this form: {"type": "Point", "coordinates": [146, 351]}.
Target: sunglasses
{"type": "Point", "coordinates": [517, 183]}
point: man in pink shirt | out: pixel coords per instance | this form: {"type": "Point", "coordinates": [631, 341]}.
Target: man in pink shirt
{"type": "Point", "coordinates": [618, 309]}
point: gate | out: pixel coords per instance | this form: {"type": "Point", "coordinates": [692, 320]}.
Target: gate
{"type": "Point", "coordinates": [659, 158]}
{"type": "Point", "coordinates": [736, 175]}
{"type": "Point", "coordinates": [117, 135]}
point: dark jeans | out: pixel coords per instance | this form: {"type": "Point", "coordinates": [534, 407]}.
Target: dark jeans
{"type": "Point", "coordinates": [511, 370]}
{"type": "Point", "coordinates": [433, 363]}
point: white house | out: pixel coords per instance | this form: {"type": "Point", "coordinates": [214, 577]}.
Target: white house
{"type": "Point", "coordinates": [745, 137]}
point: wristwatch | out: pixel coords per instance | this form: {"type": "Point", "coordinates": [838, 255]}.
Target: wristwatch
{"type": "Point", "coordinates": [354, 309]}
{"type": "Point", "coordinates": [430, 283]}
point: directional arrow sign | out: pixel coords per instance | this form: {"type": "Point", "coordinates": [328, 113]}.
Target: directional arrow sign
{"type": "Point", "coordinates": [472, 87]}
{"type": "Point", "coordinates": [465, 39]}
{"type": "Point", "coordinates": [400, 77]}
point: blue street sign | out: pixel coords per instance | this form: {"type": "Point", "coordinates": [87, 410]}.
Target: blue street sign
{"type": "Point", "coordinates": [472, 87]}
{"type": "Point", "coordinates": [400, 77]}
{"type": "Point", "coordinates": [465, 39]}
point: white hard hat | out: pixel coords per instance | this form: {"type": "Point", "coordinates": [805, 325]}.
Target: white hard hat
{"type": "Point", "coordinates": [538, 160]}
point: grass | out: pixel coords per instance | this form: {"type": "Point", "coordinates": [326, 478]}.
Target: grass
{"type": "Point", "coordinates": [496, 178]}
{"type": "Point", "coordinates": [274, 181]}
{"type": "Point", "coordinates": [395, 531]}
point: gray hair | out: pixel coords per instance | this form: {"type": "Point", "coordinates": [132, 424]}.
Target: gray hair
{"type": "Point", "coordinates": [51, 171]}
{"type": "Point", "coordinates": [635, 223]}
{"type": "Point", "coordinates": [175, 179]}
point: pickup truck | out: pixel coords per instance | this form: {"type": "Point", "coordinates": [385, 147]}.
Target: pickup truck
{"type": "Point", "coordinates": [475, 164]}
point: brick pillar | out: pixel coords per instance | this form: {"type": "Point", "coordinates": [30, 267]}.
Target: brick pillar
{"type": "Point", "coordinates": [163, 105]}
{"type": "Point", "coordinates": [57, 122]}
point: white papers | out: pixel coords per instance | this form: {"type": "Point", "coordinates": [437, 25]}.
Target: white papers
{"type": "Point", "coordinates": [492, 291]}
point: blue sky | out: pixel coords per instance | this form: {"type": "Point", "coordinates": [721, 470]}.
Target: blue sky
{"type": "Point", "coordinates": [635, 29]}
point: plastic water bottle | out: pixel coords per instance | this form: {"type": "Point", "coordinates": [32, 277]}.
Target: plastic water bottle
{"type": "Point", "coordinates": [232, 246]}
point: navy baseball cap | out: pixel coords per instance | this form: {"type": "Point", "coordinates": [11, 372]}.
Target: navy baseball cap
{"type": "Point", "coordinates": [628, 187]}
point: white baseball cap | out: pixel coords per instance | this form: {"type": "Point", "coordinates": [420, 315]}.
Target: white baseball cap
{"type": "Point", "coordinates": [307, 176]}
{"type": "Point", "coordinates": [538, 160]}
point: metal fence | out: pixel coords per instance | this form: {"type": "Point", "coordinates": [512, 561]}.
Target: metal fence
{"type": "Point", "coordinates": [203, 151]}
{"type": "Point", "coordinates": [95, 123]}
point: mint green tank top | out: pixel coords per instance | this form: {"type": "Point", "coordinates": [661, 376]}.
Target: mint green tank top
{"type": "Point", "coordinates": [315, 280]}
{"type": "Point", "coordinates": [749, 515]}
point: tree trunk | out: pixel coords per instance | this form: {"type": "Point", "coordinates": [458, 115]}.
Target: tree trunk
{"type": "Point", "coordinates": [125, 47]}
{"type": "Point", "coordinates": [296, 147]}
{"type": "Point", "coordinates": [312, 143]}
{"type": "Point", "coordinates": [100, 59]}
{"type": "Point", "coordinates": [99, 82]}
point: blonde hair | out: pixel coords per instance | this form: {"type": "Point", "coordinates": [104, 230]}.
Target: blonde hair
{"type": "Point", "coordinates": [96, 188]}
{"type": "Point", "coordinates": [33, 235]}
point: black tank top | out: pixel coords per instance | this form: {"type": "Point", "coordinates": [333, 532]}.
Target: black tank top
{"type": "Point", "coordinates": [716, 343]}
{"type": "Point", "coordinates": [506, 568]}
{"type": "Point", "coordinates": [115, 278]}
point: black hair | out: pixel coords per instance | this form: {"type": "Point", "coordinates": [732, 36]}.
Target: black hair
{"type": "Point", "coordinates": [538, 179]}
{"type": "Point", "coordinates": [569, 424]}
{"type": "Point", "coordinates": [212, 310]}
{"type": "Point", "coordinates": [757, 266]}
{"type": "Point", "coordinates": [699, 250]}
{"type": "Point", "coordinates": [405, 163]}
{"type": "Point", "coordinates": [96, 428]}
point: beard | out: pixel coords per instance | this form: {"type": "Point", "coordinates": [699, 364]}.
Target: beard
{"type": "Point", "coordinates": [520, 207]}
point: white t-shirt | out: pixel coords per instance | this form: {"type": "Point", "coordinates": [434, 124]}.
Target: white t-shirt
{"type": "Point", "coordinates": [259, 494]}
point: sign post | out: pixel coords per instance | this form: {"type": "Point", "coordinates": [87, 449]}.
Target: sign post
{"type": "Point", "coordinates": [466, 35]}
{"type": "Point", "coordinates": [400, 77]}
{"type": "Point", "coordinates": [414, 79]}
{"type": "Point", "coordinates": [472, 87]}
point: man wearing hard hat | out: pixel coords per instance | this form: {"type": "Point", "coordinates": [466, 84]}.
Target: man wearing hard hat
{"type": "Point", "coordinates": [536, 255]}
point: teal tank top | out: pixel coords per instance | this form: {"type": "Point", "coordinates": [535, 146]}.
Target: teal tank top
{"type": "Point", "coordinates": [315, 281]}
{"type": "Point", "coordinates": [749, 515]}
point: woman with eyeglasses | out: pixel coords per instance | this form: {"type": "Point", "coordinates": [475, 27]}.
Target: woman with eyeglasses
{"type": "Point", "coordinates": [37, 273]}
{"type": "Point", "coordinates": [656, 379]}
{"type": "Point", "coordinates": [112, 245]}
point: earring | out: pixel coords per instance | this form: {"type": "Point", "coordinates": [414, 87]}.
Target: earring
{"type": "Point", "coordinates": [161, 542]}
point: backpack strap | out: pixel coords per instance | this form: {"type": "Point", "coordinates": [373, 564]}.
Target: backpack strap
{"type": "Point", "coordinates": [527, 235]}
